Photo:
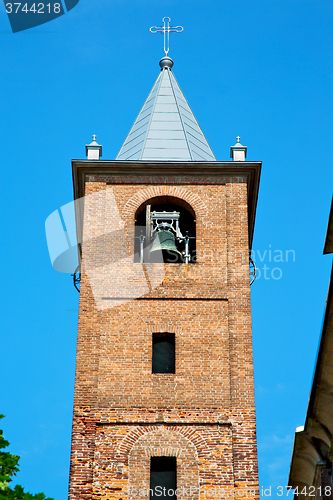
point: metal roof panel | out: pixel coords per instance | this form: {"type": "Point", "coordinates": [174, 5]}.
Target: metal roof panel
{"type": "Point", "coordinates": [166, 134]}
{"type": "Point", "coordinates": [166, 128]}
{"type": "Point", "coordinates": [163, 125]}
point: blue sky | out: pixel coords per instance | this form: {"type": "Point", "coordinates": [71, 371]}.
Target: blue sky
{"type": "Point", "coordinates": [259, 69]}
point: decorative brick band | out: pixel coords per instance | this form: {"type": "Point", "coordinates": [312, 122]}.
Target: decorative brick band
{"type": "Point", "coordinates": [152, 451]}
{"type": "Point", "coordinates": [155, 327]}
{"type": "Point", "coordinates": [139, 198]}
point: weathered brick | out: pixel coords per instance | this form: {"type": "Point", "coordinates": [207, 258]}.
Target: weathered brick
{"type": "Point", "coordinates": [204, 413]}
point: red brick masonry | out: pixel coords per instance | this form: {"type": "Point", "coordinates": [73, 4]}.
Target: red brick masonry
{"type": "Point", "coordinates": [204, 414]}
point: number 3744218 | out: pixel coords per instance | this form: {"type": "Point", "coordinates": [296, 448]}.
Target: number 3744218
{"type": "Point", "coordinates": [310, 491]}
{"type": "Point", "coordinates": [36, 8]}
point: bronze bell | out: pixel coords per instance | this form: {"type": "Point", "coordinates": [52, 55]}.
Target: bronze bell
{"type": "Point", "coordinates": [164, 248]}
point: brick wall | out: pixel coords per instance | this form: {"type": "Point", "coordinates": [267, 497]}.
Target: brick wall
{"type": "Point", "coordinates": [204, 413]}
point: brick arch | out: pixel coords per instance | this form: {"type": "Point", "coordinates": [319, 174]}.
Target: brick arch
{"type": "Point", "coordinates": [163, 441]}
{"type": "Point", "coordinates": [139, 198]}
{"type": "Point", "coordinates": [135, 434]}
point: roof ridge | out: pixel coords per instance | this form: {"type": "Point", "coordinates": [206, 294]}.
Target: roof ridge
{"type": "Point", "coordinates": [196, 121]}
{"type": "Point", "coordinates": [180, 114]}
{"type": "Point", "coordinates": [160, 76]}
{"type": "Point", "coordinates": [137, 120]}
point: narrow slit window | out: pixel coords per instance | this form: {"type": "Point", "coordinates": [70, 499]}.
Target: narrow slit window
{"type": "Point", "coordinates": [163, 478]}
{"type": "Point", "coordinates": [163, 353]}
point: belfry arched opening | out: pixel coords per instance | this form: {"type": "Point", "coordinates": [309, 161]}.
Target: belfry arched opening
{"type": "Point", "coordinates": [165, 231]}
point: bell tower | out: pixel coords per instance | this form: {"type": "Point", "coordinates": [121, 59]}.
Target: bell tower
{"type": "Point", "coordinates": [164, 397]}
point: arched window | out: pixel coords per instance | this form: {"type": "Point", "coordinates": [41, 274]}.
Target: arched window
{"type": "Point", "coordinates": [165, 231]}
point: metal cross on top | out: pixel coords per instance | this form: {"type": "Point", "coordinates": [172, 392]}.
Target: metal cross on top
{"type": "Point", "coordinates": [166, 29]}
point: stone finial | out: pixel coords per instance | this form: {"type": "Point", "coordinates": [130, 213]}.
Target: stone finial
{"type": "Point", "coordinates": [238, 151]}
{"type": "Point", "coordinates": [93, 150]}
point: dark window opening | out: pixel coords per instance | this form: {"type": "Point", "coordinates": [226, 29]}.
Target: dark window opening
{"type": "Point", "coordinates": [163, 478]}
{"type": "Point", "coordinates": [167, 231]}
{"type": "Point", "coordinates": [163, 353]}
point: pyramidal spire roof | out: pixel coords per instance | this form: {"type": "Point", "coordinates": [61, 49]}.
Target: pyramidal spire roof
{"type": "Point", "coordinates": [166, 128]}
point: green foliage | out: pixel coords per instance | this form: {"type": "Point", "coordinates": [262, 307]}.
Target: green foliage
{"type": "Point", "coordinates": [8, 468]}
